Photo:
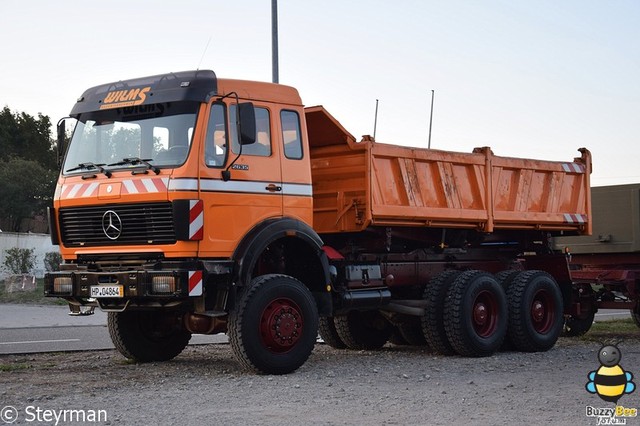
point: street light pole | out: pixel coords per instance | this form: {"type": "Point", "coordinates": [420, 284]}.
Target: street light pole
{"type": "Point", "coordinates": [274, 40]}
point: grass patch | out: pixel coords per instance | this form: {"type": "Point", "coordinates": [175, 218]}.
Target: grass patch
{"type": "Point", "coordinates": [618, 329]}
{"type": "Point", "coordinates": [7, 368]}
{"type": "Point", "coordinates": [35, 297]}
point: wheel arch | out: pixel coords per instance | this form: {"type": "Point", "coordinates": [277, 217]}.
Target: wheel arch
{"type": "Point", "coordinates": [286, 246]}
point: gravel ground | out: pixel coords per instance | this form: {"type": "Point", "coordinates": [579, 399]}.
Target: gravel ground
{"type": "Point", "coordinates": [396, 385]}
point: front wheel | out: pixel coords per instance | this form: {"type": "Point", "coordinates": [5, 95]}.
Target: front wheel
{"type": "Point", "coordinates": [147, 336]}
{"type": "Point", "coordinates": [274, 325]}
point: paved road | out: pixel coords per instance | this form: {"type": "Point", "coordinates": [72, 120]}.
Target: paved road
{"type": "Point", "coordinates": [31, 329]}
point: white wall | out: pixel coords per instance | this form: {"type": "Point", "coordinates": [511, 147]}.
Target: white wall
{"type": "Point", "coordinates": [40, 242]}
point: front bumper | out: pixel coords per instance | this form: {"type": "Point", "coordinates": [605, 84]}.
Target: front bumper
{"type": "Point", "coordinates": [119, 290]}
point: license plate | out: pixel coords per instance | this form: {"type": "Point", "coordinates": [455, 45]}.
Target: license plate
{"type": "Point", "coordinates": [107, 291]}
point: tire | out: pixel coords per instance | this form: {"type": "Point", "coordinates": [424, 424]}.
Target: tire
{"type": "Point", "coordinates": [274, 325]}
{"type": "Point", "coordinates": [505, 277]}
{"type": "Point", "coordinates": [363, 330]}
{"type": "Point", "coordinates": [147, 336]}
{"type": "Point", "coordinates": [535, 311]}
{"type": "Point", "coordinates": [578, 326]}
{"type": "Point", "coordinates": [396, 338]}
{"type": "Point", "coordinates": [411, 332]}
{"type": "Point", "coordinates": [433, 321]}
{"type": "Point", "coordinates": [476, 314]}
{"type": "Point", "coordinates": [635, 315]}
{"type": "Point", "coordinates": [328, 333]}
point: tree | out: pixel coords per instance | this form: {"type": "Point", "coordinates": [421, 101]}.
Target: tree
{"type": "Point", "coordinates": [22, 135]}
{"type": "Point", "coordinates": [26, 189]}
{"type": "Point", "coordinates": [28, 167]}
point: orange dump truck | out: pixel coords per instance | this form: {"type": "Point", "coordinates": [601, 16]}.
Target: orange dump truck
{"type": "Point", "coordinates": [189, 204]}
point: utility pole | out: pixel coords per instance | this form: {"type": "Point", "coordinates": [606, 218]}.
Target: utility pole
{"type": "Point", "coordinates": [433, 93]}
{"type": "Point", "coordinates": [274, 40]}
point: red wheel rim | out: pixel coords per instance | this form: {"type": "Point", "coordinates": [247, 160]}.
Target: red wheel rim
{"type": "Point", "coordinates": [485, 314]}
{"type": "Point", "coordinates": [542, 311]}
{"type": "Point", "coordinates": [281, 325]}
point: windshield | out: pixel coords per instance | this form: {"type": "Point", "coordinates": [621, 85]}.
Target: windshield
{"type": "Point", "coordinates": [158, 133]}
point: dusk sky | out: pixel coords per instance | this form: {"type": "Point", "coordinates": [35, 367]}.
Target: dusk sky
{"type": "Point", "coordinates": [533, 79]}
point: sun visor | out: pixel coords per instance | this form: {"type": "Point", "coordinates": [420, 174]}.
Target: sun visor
{"type": "Point", "coordinates": [196, 86]}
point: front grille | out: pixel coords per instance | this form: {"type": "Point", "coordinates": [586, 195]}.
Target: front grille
{"type": "Point", "coordinates": [148, 223]}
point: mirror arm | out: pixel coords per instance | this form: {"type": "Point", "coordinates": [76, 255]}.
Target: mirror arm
{"type": "Point", "coordinates": [61, 138]}
{"type": "Point", "coordinates": [226, 173]}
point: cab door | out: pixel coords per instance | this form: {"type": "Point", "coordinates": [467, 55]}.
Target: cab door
{"type": "Point", "coordinates": [253, 192]}
{"type": "Point", "coordinates": [295, 166]}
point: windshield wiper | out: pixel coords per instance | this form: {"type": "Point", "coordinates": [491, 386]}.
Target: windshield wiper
{"type": "Point", "coordinates": [135, 161]}
{"type": "Point", "coordinates": [90, 166]}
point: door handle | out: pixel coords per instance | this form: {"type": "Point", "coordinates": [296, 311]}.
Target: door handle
{"type": "Point", "coordinates": [273, 188]}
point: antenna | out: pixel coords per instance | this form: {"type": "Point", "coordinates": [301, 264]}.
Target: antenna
{"type": "Point", "coordinates": [375, 122]}
{"type": "Point", "coordinates": [274, 41]}
{"type": "Point", "coordinates": [203, 53]}
{"type": "Point", "coordinates": [433, 94]}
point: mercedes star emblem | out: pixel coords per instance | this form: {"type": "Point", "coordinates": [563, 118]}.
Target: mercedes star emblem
{"type": "Point", "coordinates": [111, 225]}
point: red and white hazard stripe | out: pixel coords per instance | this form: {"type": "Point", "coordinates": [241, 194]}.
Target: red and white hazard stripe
{"type": "Point", "coordinates": [575, 218]}
{"type": "Point", "coordinates": [196, 219]}
{"type": "Point", "coordinates": [195, 283]}
{"type": "Point", "coordinates": [129, 186]}
{"type": "Point", "coordinates": [145, 185]}
{"type": "Point", "coordinates": [573, 167]}
{"type": "Point", "coordinates": [79, 190]}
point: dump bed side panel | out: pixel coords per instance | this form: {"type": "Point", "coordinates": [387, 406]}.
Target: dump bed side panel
{"type": "Point", "coordinates": [539, 194]}
{"type": "Point", "coordinates": [427, 188]}
{"type": "Point", "coordinates": [448, 189]}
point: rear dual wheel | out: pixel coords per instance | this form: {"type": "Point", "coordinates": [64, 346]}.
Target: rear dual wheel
{"type": "Point", "coordinates": [535, 311]}
{"type": "Point", "coordinates": [433, 321]}
{"type": "Point", "coordinates": [476, 314]}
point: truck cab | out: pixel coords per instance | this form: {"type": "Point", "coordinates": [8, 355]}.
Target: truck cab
{"type": "Point", "coordinates": [176, 191]}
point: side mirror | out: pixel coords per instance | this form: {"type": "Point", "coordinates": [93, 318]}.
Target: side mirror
{"type": "Point", "coordinates": [61, 140]}
{"type": "Point", "coordinates": [247, 116]}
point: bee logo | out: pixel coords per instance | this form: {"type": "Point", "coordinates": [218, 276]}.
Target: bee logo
{"type": "Point", "coordinates": [610, 381]}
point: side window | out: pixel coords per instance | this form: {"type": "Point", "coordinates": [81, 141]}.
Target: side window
{"type": "Point", "coordinates": [291, 134]}
{"type": "Point", "coordinates": [262, 146]}
{"type": "Point", "coordinates": [215, 151]}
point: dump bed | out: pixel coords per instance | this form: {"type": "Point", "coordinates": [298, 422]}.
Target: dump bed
{"type": "Point", "coordinates": [361, 184]}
